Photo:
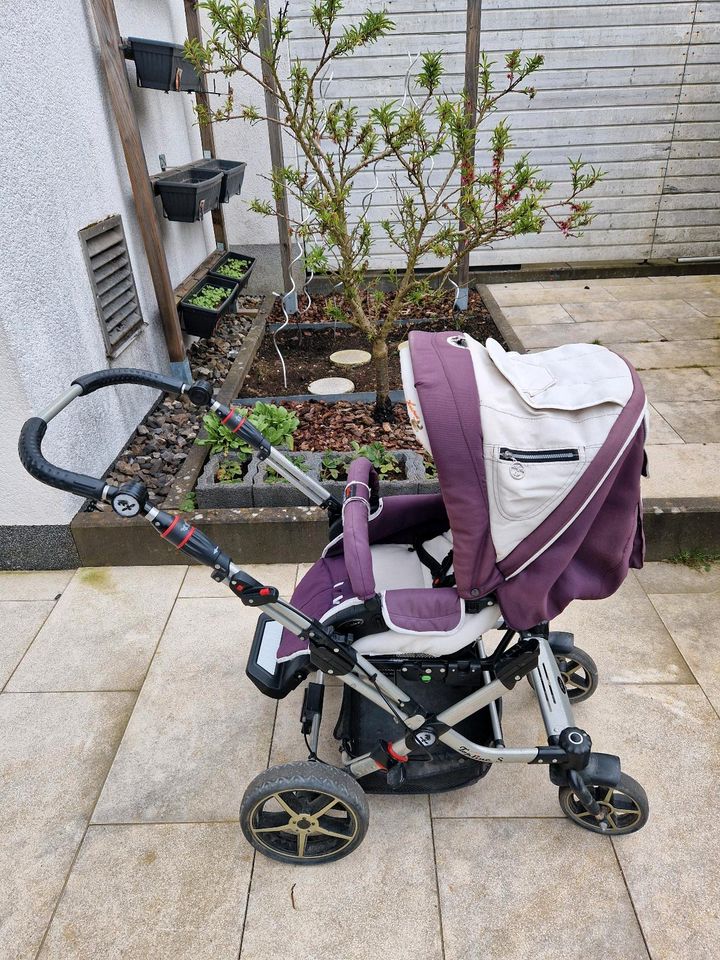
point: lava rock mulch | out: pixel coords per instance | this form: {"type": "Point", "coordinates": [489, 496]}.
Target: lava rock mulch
{"type": "Point", "coordinates": [159, 446]}
{"type": "Point", "coordinates": [307, 352]}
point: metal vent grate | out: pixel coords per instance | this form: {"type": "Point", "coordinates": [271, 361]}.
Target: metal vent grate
{"type": "Point", "coordinates": [113, 284]}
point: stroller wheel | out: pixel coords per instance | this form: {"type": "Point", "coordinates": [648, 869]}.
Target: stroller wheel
{"type": "Point", "coordinates": [305, 812]}
{"type": "Point", "coordinates": [579, 673]}
{"type": "Point", "coordinates": [625, 806]}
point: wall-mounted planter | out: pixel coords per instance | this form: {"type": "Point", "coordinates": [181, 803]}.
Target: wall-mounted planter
{"type": "Point", "coordinates": [162, 66]}
{"type": "Point", "coordinates": [234, 266]}
{"type": "Point", "coordinates": [233, 172]}
{"type": "Point", "coordinates": [189, 194]}
{"type": "Point", "coordinates": [200, 321]}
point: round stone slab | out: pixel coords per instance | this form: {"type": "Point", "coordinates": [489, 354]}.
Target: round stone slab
{"type": "Point", "coordinates": [329, 385]}
{"type": "Point", "coordinates": [350, 358]}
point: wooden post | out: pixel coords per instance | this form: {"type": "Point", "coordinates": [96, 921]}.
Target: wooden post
{"type": "Point", "coordinates": [113, 62]}
{"type": "Point", "coordinates": [472, 60]}
{"type": "Point", "coordinates": [207, 134]}
{"type": "Point", "coordinates": [276, 155]}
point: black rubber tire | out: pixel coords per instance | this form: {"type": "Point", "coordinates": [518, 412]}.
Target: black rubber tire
{"type": "Point", "coordinates": [587, 665]}
{"type": "Point", "coordinates": [300, 781]}
{"type": "Point", "coordinates": [628, 793]}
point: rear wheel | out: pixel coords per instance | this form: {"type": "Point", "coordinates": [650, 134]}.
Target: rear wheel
{"type": "Point", "coordinates": [579, 673]}
{"type": "Point", "coordinates": [304, 813]}
{"type": "Point", "coordinates": [625, 807]}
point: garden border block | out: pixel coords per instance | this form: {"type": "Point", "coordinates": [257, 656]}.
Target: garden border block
{"type": "Point", "coordinates": [216, 496]}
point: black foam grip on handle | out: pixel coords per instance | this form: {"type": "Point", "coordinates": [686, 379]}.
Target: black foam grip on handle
{"type": "Point", "coordinates": [146, 378]}
{"type": "Point", "coordinates": [30, 451]}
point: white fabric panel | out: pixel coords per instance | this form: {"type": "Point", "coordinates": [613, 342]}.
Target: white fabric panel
{"type": "Point", "coordinates": [412, 401]}
{"type": "Point", "coordinates": [429, 644]}
{"type": "Point", "coordinates": [552, 401]}
{"type": "Point", "coordinates": [396, 567]}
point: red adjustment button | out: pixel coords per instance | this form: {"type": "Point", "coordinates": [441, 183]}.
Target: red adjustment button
{"type": "Point", "coordinates": [265, 591]}
{"type": "Point", "coordinates": [396, 756]}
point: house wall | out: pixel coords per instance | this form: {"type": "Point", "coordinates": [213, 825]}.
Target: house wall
{"type": "Point", "coordinates": [62, 168]}
{"type": "Point", "coordinates": [631, 86]}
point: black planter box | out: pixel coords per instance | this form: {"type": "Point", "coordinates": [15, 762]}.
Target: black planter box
{"type": "Point", "coordinates": [233, 172]}
{"type": "Point", "coordinates": [162, 66]}
{"type": "Point", "coordinates": [228, 257]}
{"type": "Point", "coordinates": [199, 321]}
{"type": "Point", "coordinates": [189, 194]}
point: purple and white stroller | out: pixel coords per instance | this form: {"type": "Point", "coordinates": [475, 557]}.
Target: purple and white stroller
{"type": "Point", "coordinates": [539, 459]}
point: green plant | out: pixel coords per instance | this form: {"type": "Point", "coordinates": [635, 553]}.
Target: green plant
{"type": "Point", "coordinates": [277, 424]}
{"type": "Point", "coordinates": [696, 559]}
{"type": "Point", "coordinates": [189, 502]}
{"type": "Point", "coordinates": [430, 468]}
{"type": "Point", "coordinates": [236, 268]}
{"type": "Point", "coordinates": [209, 297]}
{"type": "Point", "coordinates": [231, 470]}
{"type": "Point", "coordinates": [476, 195]}
{"type": "Point", "coordinates": [386, 463]}
{"type": "Point", "coordinates": [333, 466]}
{"type": "Point", "coordinates": [272, 476]}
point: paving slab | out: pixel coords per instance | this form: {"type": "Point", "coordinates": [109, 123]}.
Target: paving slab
{"type": "Point", "coordinates": [554, 335]}
{"type": "Point", "coordinates": [684, 353]}
{"type": "Point", "coordinates": [380, 899]}
{"type": "Point", "coordinates": [199, 583]}
{"type": "Point", "coordinates": [689, 383]}
{"type": "Point", "coordinates": [166, 892]}
{"type": "Point", "coordinates": [630, 310]}
{"type": "Point", "coordinates": [200, 730]}
{"type": "Point", "coordinates": [538, 313]}
{"type": "Point", "coordinates": [525, 294]}
{"type": "Point", "coordinates": [103, 630]}
{"type": "Point", "coordinates": [709, 306]}
{"type": "Point", "coordinates": [665, 289]}
{"type": "Point", "coordinates": [692, 620]}
{"type": "Point", "coordinates": [688, 328]}
{"type": "Point", "coordinates": [507, 888]}
{"type": "Point", "coordinates": [682, 470]}
{"type": "Point", "coordinates": [659, 430]}
{"type": "Point", "coordinates": [20, 620]}
{"type": "Point", "coordinates": [55, 751]}
{"type": "Point", "coordinates": [33, 584]}
{"type": "Point", "coordinates": [678, 578]}
{"type": "Point", "coordinates": [696, 421]}
{"type": "Point", "coordinates": [668, 738]}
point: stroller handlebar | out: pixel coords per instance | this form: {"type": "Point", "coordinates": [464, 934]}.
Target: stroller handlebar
{"type": "Point", "coordinates": [34, 429]}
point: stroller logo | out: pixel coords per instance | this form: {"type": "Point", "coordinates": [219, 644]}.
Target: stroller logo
{"type": "Point", "coordinates": [425, 737]}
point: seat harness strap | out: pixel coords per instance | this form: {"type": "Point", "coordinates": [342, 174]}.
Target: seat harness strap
{"type": "Point", "coordinates": [438, 569]}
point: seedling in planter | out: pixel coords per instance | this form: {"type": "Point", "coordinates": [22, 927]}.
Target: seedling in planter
{"type": "Point", "coordinates": [333, 466]}
{"type": "Point", "coordinates": [209, 297]}
{"type": "Point", "coordinates": [232, 470]}
{"type": "Point", "coordinates": [277, 424]}
{"type": "Point", "coordinates": [430, 468]}
{"type": "Point", "coordinates": [234, 269]}
{"type": "Point", "coordinates": [272, 476]}
{"type": "Point", "coordinates": [189, 502]}
{"type": "Point", "coordinates": [386, 463]}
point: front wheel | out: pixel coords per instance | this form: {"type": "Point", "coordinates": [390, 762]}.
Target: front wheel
{"type": "Point", "coordinates": [579, 674]}
{"type": "Point", "coordinates": [304, 813]}
{"type": "Point", "coordinates": [625, 807]}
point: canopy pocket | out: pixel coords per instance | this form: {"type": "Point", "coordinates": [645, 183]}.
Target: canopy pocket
{"type": "Point", "coordinates": [526, 483]}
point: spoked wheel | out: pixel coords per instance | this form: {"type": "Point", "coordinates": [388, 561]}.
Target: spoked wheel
{"type": "Point", "coordinates": [625, 806]}
{"type": "Point", "coordinates": [304, 813]}
{"type": "Point", "coordinates": [579, 674]}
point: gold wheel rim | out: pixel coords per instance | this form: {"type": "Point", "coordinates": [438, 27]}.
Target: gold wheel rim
{"type": "Point", "coordinates": [305, 827]}
{"type": "Point", "coordinates": [609, 803]}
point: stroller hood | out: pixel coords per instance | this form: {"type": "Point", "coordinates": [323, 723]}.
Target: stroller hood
{"type": "Point", "coordinates": [539, 459]}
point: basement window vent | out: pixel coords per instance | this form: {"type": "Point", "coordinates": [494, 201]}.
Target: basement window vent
{"type": "Point", "coordinates": [112, 282]}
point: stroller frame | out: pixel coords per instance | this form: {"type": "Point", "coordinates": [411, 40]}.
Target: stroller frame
{"type": "Point", "coordinates": [589, 781]}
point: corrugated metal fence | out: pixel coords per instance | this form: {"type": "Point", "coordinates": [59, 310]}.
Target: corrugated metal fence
{"type": "Point", "coordinates": [632, 86]}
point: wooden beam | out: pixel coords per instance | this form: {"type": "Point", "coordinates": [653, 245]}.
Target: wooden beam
{"type": "Point", "coordinates": [113, 63]}
{"type": "Point", "coordinates": [276, 151]}
{"type": "Point", "coordinates": [207, 134]}
{"type": "Point", "coordinates": [472, 60]}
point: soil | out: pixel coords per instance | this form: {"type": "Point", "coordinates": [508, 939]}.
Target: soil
{"type": "Point", "coordinates": [162, 441]}
{"type": "Point", "coordinates": [306, 352]}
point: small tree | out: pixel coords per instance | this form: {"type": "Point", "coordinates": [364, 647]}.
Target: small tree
{"type": "Point", "coordinates": [443, 214]}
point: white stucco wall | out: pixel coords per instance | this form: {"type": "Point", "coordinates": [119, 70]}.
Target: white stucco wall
{"type": "Point", "coordinates": [62, 168]}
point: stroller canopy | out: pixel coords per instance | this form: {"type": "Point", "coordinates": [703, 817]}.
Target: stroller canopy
{"type": "Point", "coordinates": [539, 459]}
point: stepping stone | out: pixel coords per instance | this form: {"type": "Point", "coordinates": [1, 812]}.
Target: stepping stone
{"type": "Point", "coordinates": [327, 386]}
{"type": "Point", "coordinates": [350, 358]}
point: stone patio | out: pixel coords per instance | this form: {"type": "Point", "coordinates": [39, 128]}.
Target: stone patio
{"type": "Point", "coordinates": [669, 329]}
{"type": "Point", "coordinates": [129, 732]}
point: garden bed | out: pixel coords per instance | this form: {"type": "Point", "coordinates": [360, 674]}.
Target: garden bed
{"type": "Point", "coordinates": [307, 352]}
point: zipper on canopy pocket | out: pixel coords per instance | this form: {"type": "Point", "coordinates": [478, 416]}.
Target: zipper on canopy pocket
{"type": "Point", "coordinates": [539, 456]}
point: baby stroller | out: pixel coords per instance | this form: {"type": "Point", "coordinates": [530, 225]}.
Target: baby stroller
{"type": "Point", "coordinates": [539, 459]}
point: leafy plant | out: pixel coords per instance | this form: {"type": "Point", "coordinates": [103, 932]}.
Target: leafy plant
{"type": "Point", "coordinates": [235, 268]}
{"type": "Point", "coordinates": [189, 502]}
{"type": "Point", "coordinates": [209, 297]}
{"type": "Point", "coordinates": [276, 423]}
{"type": "Point", "coordinates": [479, 194]}
{"type": "Point", "coordinates": [272, 476]}
{"type": "Point", "coordinates": [232, 470]}
{"type": "Point", "coordinates": [696, 559]}
{"type": "Point", "coordinates": [386, 463]}
{"type": "Point", "coordinates": [430, 468]}
{"type": "Point", "coordinates": [333, 466]}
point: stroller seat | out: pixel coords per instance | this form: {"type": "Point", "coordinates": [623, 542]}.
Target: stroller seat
{"type": "Point", "coordinates": [381, 579]}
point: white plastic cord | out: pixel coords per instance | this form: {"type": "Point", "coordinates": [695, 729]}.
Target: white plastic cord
{"type": "Point", "coordinates": [408, 92]}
